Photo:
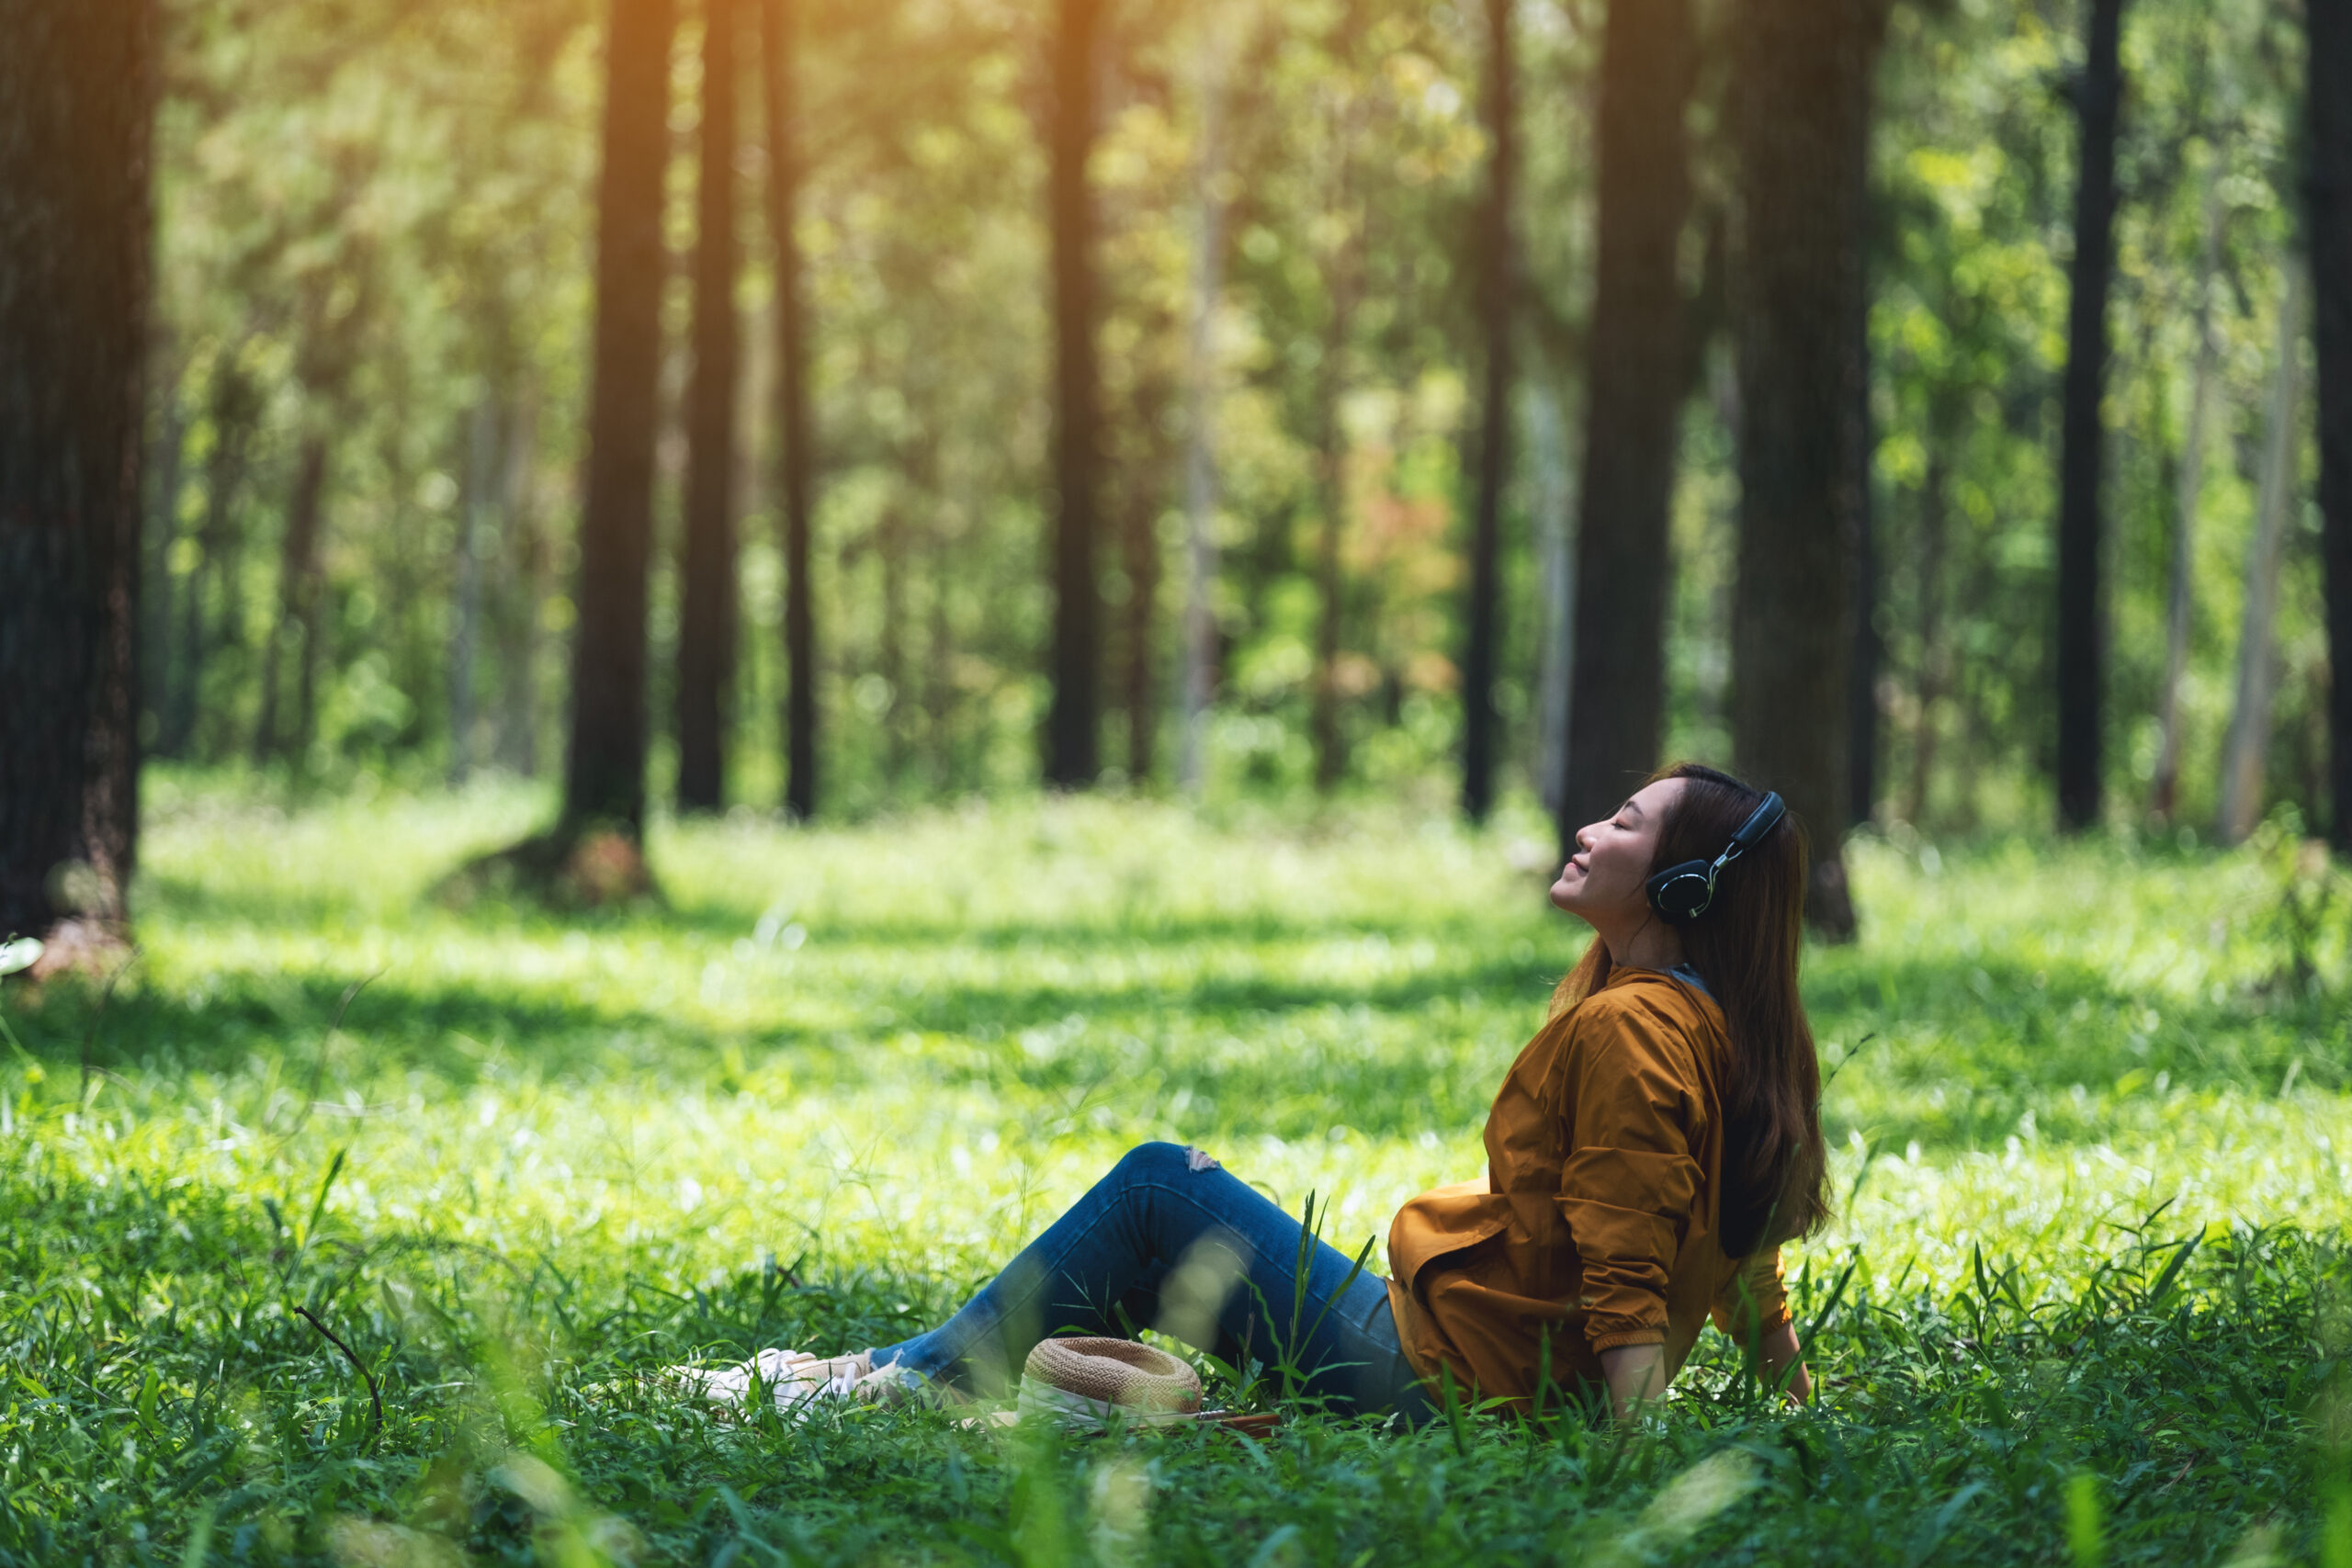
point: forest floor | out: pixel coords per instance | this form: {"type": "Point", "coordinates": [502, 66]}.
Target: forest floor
{"type": "Point", "coordinates": [2087, 1296]}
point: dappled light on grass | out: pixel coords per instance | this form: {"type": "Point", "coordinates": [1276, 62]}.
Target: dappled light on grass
{"type": "Point", "coordinates": [2093, 1171]}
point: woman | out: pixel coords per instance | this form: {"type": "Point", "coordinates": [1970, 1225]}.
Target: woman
{"type": "Point", "coordinates": [1646, 1155]}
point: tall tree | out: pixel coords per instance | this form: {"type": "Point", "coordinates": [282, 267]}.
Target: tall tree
{"type": "Point", "coordinates": [604, 784]}
{"type": "Point", "coordinates": [794, 457]}
{"type": "Point", "coordinates": [297, 631]}
{"type": "Point", "coordinates": [1803, 103]}
{"type": "Point", "coordinates": [2249, 737]}
{"type": "Point", "coordinates": [1071, 721]}
{"type": "Point", "coordinates": [1869, 649]}
{"type": "Point", "coordinates": [707, 614]}
{"type": "Point", "coordinates": [1143, 493]}
{"type": "Point", "coordinates": [1491, 256]}
{"type": "Point", "coordinates": [2189, 487]}
{"type": "Point", "coordinates": [2081, 612]}
{"type": "Point", "coordinates": [76, 124]}
{"type": "Point", "coordinates": [235, 408]}
{"type": "Point", "coordinates": [2328, 195]}
{"type": "Point", "coordinates": [523, 582]}
{"type": "Point", "coordinates": [1634, 383]}
{"type": "Point", "coordinates": [1344, 285]}
{"type": "Point", "coordinates": [1201, 485]}
{"type": "Point", "coordinates": [162, 473]}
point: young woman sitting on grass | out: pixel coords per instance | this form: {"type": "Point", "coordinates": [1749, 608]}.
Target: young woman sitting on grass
{"type": "Point", "coordinates": [1646, 1155]}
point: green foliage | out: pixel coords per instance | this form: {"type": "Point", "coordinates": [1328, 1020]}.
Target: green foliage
{"type": "Point", "coordinates": [2086, 1292]}
{"type": "Point", "coordinates": [376, 223]}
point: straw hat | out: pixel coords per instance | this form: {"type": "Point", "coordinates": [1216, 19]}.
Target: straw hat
{"type": "Point", "coordinates": [1081, 1382]}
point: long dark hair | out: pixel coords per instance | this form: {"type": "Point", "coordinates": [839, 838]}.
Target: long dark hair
{"type": "Point", "coordinates": [1744, 947]}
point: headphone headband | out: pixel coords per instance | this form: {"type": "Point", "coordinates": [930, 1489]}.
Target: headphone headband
{"type": "Point", "coordinates": [1684, 892]}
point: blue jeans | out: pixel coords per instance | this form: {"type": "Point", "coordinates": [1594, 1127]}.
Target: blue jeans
{"type": "Point", "coordinates": [1200, 1254]}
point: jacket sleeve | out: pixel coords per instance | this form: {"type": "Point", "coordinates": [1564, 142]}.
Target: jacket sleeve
{"type": "Point", "coordinates": [1759, 1274]}
{"type": "Point", "coordinates": [1628, 1185]}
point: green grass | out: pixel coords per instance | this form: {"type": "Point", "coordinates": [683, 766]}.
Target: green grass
{"type": "Point", "coordinates": [2087, 1297]}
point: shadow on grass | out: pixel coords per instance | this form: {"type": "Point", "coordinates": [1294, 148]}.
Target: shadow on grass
{"type": "Point", "coordinates": [1244, 1048]}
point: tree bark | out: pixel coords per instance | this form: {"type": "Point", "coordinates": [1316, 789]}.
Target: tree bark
{"type": "Point", "coordinates": [1071, 721]}
{"type": "Point", "coordinates": [2328, 195]}
{"type": "Point", "coordinates": [707, 611]}
{"type": "Point", "coordinates": [604, 766]}
{"type": "Point", "coordinates": [76, 125]}
{"type": "Point", "coordinates": [1634, 383]}
{"type": "Point", "coordinates": [1491, 255]}
{"type": "Point", "coordinates": [2180, 606]}
{"type": "Point", "coordinates": [2249, 736]}
{"type": "Point", "coordinates": [1803, 102]}
{"type": "Point", "coordinates": [794, 455]}
{"type": "Point", "coordinates": [2080, 608]}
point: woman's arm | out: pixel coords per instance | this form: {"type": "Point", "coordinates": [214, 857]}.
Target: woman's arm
{"type": "Point", "coordinates": [1637, 1374]}
{"type": "Point", "coordinates": [1779, 1348]}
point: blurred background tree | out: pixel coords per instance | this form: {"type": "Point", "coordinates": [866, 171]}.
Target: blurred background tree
{"type": "Point", "coordinates": [1740, 394]}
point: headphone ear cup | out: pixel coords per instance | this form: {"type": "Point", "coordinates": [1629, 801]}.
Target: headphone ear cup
{"type": "Point", "coordinates": [1680, 893]}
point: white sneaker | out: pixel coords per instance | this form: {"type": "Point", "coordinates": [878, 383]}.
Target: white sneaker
{"type": "Point", "coordinates": [793, 1378]}
{"type": "Point", "coordinates": [798, 1381]}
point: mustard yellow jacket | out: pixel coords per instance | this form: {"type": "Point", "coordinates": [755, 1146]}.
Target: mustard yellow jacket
{"type": "Point", "coordinates": [1596, 1222]}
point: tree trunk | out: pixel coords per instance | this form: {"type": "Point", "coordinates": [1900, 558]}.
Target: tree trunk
{"type": "Point", "coordinates": [890, 544]}
{"type": "Point", "coordinates": [1869, 651]}
{"type": "Point", "coordinates": [76, 123]}
{"type": "Point", "coordinates": [939, 653]}
{"type": "Point", "coordinates": [1633, 389]}
{"type": "Point", "coordinates": [1146, 489]}
{"type": "Point", "coordinates": [1071, 721]}
{"type": "Point", "coordinates": [605, 767]}
{"type": "Point", "coordinates": [2180, 608]}
{"type": "Point", "coordinates": [707, 611]}
{"type": "Point", "coordinates": [2080, 632]}
{"type": "Point", "coordinates": [297, 584]}
{"type": "Point", "coordinates": [2328, 135]}
{"type": "Point", "coordinates": [1200, 433]}
{"type": "Point", "coordinates": [1491, 256]}
{"type": "Point", "coordinates": [481, 483]}
{"type": "Point", "coordinates": [1557, 570]}
{"type": "Point", "coordinates": [794, 455]}
{"type": "Point", "coordinates": [1804, 101]}
{"type": "Point", "coordinates": [523, 566]}
{"type": "Point", "coordinates": [1330, 467]}
{"type": "Point", "coordinates": [2249, 736]}
{"type": "Point", "coordinates": [1928, 685]}
{"type": "Point", "coordinates": [1342, 285]}
{"type": "Point", "coordinates": [236, 407]}
{"type": "Point", "coordinates": [166, 472]}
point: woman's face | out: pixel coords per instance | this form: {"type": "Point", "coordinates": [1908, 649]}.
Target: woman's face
{"type": "Point", "coordinates": [1602, 881]}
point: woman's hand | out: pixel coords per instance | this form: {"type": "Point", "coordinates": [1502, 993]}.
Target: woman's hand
{"type": "Point", "coordinates": [1779, 1349]}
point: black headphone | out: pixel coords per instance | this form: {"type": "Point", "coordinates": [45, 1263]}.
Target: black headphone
{"type": "Point", "coordinates": [1681, 892]}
